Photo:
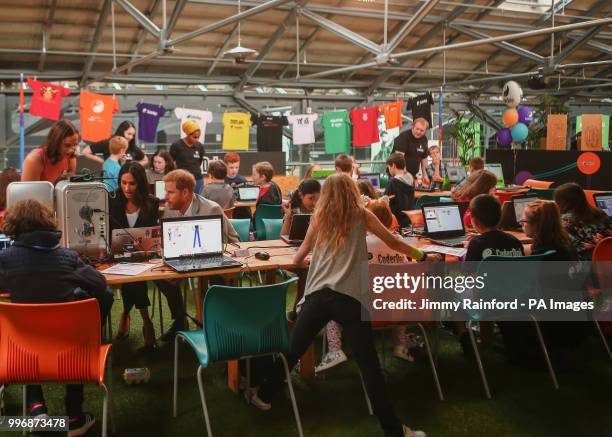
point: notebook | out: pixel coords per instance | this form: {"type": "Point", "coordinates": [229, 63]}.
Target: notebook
{"type": "Point", "coordinates": [498, 171]}
{"type": "Point", "coordinates": [444, 223]}
{"type": "Point", "coordinates": [299, 227]}
{"type": "Point", "coordinates": [248, 194]}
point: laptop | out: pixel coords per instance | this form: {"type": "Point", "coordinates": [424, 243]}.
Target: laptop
{"type": "Point", "coordinates": [603, 201]}
{"type": "Point", "coordinates": [299, 227]}
{"type": "Point", "coordinates": [160, 190]}
{"type": "Point", "coordinates": [374, 179]}
{"type": "Point", "coordinates": [498, 171]}
{"type": "Point", "coordinates": [512, 211]}
{"type": "Point", "coordinates": [248, 194]}
{"type": "Point", "coordinates": [42, 191]}
{"type": "Point", "coordinates": [193, 244]}
{"type": "Point", "coordinates": [444, 223]}
{"type": "Point", "coordinates": [129, 240]}
{"type": "Point", "coordinates": [455, 174]}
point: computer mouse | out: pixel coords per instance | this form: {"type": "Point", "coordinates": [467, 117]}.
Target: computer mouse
{"type": "Point", "coordinates": [264, 256]}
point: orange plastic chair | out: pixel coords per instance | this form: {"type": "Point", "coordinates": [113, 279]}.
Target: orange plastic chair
{"type": "Point", "coordinates": [57, 342]}
{"type": "Point", "coordinates": [229, 213]}
{"type": "Point", "coordinates": [416, 217]}
{"type": "Point", "coordinates": [589, 195]}
{"type": "Point", "coordinates": [534, 183]}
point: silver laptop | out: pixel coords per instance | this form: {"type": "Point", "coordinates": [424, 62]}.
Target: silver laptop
{"type": "Point", "coordinates": [195, 243]}
{"type": "Point", "coordinates": [248, 194]}
{"type": "Point", "coordinates": [129, 240]}
{"type": "Point", "coordinates": [444, 223]}
{"type": "Point", "coordinates": [38, 190]}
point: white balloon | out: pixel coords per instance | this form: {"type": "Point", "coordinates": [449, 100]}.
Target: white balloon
{"type": "Point", "coordinates": [512, 94]}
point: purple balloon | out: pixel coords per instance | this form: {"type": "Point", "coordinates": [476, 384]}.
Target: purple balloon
{"type": "Point", "coordinates": [504, 137]}
{"type": "Point", "coordinates": [525, 114]}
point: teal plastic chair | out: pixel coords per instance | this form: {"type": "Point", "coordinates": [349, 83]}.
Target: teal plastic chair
{"type": "Point", "coordinates": [542, 193]}
{"type": "Point", "coordinates": [273, 228]}
{"type": "Point", "coordinates": [265, 211]}
{"type": "Point", "coordinates": [427, 198]}
{"type": "Point", "coordinates": [242, 228]}
{"type": "Point", "coordinates": [239, 323]}
{"type": "Point", "coordinates": [500, 288]}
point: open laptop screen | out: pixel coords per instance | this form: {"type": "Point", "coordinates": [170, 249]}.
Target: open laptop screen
{"type": "Point", "coordinates": [519, 203]}
{"type": "Point", "coordinates": [455, 173]}
{"type": "Point", "coordinates": [443, 218]}
{"type": "Point", "coordinates": [497, 170]}
{"type": "Point", "coordinates": [160, 190]}
{"type": "Point", "coordinates": [374, 178]}
{"type": "Point", "coordinates": [192, 236]}
{"type": "Point", "coordinates": [248, 193]}
{"type": "Point", "coordinates": [604, 202]}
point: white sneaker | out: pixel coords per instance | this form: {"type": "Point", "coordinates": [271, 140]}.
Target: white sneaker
{"type": "Point", "coordinates": [331, 359]}
{"type": "Point", "coordinates": [250, 395]}
{"type": "Point", "coordinates": [403, 353]}
{"type": "Point", "coordinates": [410, 433]}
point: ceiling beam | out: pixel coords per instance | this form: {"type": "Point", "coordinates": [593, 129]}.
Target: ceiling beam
{"type": "Point", "coordinates": [141, 18]}
{"type": "Point", "coordinates": [106, 7]}
{"type": "Point", "coordinates": [484, 115]}
{"type": "Point", "coordinates": [261, 7]}
{"type": "Point", "coordinates": [415, 20]}
{"type": "Point", "coordinates": [142, 34]}
{"type": "Point", "coordinates": [176, 12]}
{"type": "Point", "coordinates": [47, 34]}
{"type": "Point", "coordinates": [576, 44]}
{"type": "Point", "coordinates": [342, 31]}
{"type": "Point", "coordinates": [223, 49]}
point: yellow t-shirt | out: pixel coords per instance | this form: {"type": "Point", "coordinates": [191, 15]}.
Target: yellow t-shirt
{"type": "Point", "coordinates": [236, 131]}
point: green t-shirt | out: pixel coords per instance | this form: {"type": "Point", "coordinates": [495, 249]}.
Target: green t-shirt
{"type": "Point", "coordinates": [337, 132]}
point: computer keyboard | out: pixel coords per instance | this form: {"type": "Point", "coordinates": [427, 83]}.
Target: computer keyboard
{"type": "Point", "coordinates": [450, 242]}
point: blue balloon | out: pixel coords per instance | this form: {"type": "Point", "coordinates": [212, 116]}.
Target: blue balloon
{"type": "Point", "coordinates": [519, 132]}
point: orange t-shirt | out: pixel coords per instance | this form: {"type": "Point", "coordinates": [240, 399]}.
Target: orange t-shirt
{"type": "Point", "coordinates": [97, 116]}
{"type": "Point", "coordinates": [393, 114]}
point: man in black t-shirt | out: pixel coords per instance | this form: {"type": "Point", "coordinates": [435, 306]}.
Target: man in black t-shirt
{"type": "Point", "coordinates": [413, 144]}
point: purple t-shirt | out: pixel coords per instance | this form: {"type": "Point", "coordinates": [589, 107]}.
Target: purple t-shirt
{"type": "Point", "coordinates": [148, 119]}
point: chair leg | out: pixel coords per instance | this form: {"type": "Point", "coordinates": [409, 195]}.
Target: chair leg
{"type": "Point", "coordinates": [175, 388]}
{"type": "Point", "coordinates": [109, 328]}
{"type": "Point", "coordinates": [365, 393]}
{"type": "Point", "coordinates": [434, 371]}
{"type": "Point", "coordinates": [603, 339]}
{"type": "Point", "coordinates": [298, 421]}
{"type": "Point", "coordinates": [104, 411]}
{"type": "Point", "coordinates": [483, 376]}
{"type": "Point", "coordinates": [551, 370]}
{"type": "Point", "coordinates": [109, 370]}
{"type": "Point", "coordinates": [161, 311]}
{"type": "Point", "coordinates": [203, 399]}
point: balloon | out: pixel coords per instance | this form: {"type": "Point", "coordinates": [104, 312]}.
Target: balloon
{"type": "Point", "coordinates": [520, 132]}
{"type": "Point", "coordinates": [504, 137]}
{"type": "Point", "coordinates": [525, 114]}
{"type": "Point", "coordinates": [512, 94]}
{"type": "Point", "coordinates": [510, 117]}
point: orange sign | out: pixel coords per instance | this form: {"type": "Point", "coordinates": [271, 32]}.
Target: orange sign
{"type": "Point", "coordinates": [588, 163]}
{"type": "Point", "coordinates": [556, 128]}
{"type": "Point", "coordinates": [590, 138]}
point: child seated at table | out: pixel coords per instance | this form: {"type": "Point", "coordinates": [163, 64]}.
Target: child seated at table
{"type": "Point", "coordinates": [400, 189]}
{"type": "Point", "coordinates": [303, 201]}
{"type": "Point", "coordinates": [217, 190]}
{"type": "Point", "coordinates": [479, 182]}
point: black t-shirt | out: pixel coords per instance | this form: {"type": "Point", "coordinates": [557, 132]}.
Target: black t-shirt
{"type": "Point", "coordinates": [269, 132]}
{"type": "Point", "coordinates": [421, 107]}
{"type": "Point", "coordinates": [414, 150]}
{"type": "Point", "coordinates": [133, 152]}
{"type": "Point", "coordinates": [493, 243]}
{"type": "Point", "coordinates": [188, 158]}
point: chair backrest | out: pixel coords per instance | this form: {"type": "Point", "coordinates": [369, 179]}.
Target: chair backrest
{"type": "Point", "coordinates": [427, 198]}
{"type": "Point", "coordinates": [242, 228]}
{"type": "Point", "coordinates": [603, 250]}
{"type": "Point", "coordinates": [542, 193]}
{"type": "Point", "coordinates": [229, 213]}
{"type": "Point", "coordinates": [416, 217]}
{"type": "Point", "coordinates": [266, 211]}
{"type": "Point", "coordinates": [50, 342]}
{"type": "Point", "coordinates": [273, 228]}
{"type": "Point", "coordinates": [534, 183]}
{"type": "Point", "coordinates": [589, 196]}
{"type": "Point", "coordinates": [246, 321]}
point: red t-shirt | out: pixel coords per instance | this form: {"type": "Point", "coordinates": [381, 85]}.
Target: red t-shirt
{"type": "Point", "coordinates": [46, 99]}
{"type": "Point", "coordinates": [97, 116]}
{"type": "Point", "coordinates": [365, 126]}
{"type": "Point", "coordinates": [262, 192]}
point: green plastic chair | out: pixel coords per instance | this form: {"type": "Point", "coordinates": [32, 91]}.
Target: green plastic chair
{"type": "Point", "coordinates": [242, 228]}
{"type": "Point", "coordinates": [427, 198]}
{"type": "Point", "coordinates": [542, 193]}
{"type": "Point", "coordinates": [239, 323]}
{"type": "Point", "coordinates": [273, 228]}
{"type": "Point", "coordinates": [499, 287]}
{"type": "Point", "coordinates": [265, 211]}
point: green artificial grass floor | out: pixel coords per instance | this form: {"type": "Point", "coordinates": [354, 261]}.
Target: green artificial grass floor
{"type": "Point", "coordinates": [524, 402]}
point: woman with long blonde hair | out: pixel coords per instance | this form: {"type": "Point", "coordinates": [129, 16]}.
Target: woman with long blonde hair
{"type": "Point", "coordinates": [337, 288]}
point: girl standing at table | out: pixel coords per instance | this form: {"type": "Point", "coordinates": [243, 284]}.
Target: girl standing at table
{"type": "Point", "coordinates": [134, 207]}
{"type": "Point", "coordinates": [335, 289]}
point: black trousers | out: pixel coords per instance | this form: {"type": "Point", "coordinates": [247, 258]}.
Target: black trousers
{"type": "Point", "coordinates": [135, 294]}
{"type": "Point", "coordinates": [173, 294]}
{"type": "Point", "coordinates": [319, 308]}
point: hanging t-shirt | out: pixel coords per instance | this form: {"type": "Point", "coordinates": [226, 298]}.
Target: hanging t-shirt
{"type": "Point", "coordinates": [46, 99]}
{"type": "Point", "coordinates": [236, 131]}
{"type": "Point", "coordinates": [97, 115]}
{"type": "Point", "coordinates": [365, 126]}
{"type": "Point", "coordinates": [148, 120]}
{"type": "Point", "coordinates": [303, 128]}
{"type": "Point", "coordinates": [336, 131]}
{"type": "Point", "coordinates": [200, 117]}
{"type": "Point", "coordinates": [269, 132]}
{"type": "Point", "coordinates": [421, 107]}
{"type": "Point", "coordinates": [392, 113]}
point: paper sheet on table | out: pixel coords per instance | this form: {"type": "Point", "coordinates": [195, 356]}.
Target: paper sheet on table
{"type": "Point", "coordinates": [127, 269]}
{"type": "Point", "coordinates": [454, 251]}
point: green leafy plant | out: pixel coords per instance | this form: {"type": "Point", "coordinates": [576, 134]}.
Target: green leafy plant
{"type": "Point", "coordinates": [465, 134]}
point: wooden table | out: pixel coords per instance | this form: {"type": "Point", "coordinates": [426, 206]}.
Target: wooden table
{"type": "Point", "coordinates": [418, 193]}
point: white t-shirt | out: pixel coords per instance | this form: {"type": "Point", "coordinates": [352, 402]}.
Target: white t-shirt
{"type": "Point", "coordinates": [380, 253]}
{"type": "Point", "coordinates": [303, 128]}
{"type": "Point", "coordinates": [131, 218]}
{"type": "Point", "coordinates": [200, 117]}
